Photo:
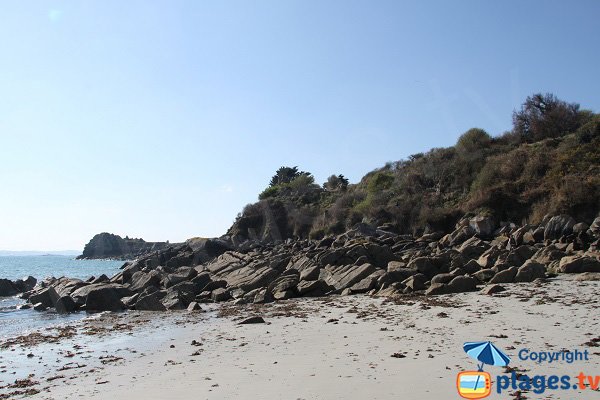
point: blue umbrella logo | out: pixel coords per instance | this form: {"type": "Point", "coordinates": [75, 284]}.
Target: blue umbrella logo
{"type": "Point", "coordinates": [487, 353]}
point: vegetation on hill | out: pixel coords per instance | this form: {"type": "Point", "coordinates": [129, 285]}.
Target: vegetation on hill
{"type": "Point", "coordinates": [549, 163]}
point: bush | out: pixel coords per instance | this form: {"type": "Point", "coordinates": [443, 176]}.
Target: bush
{"type": "Point", "coordinates": [544, 116]}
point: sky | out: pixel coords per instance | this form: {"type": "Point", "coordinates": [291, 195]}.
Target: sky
{"type": "Point", "coordinates": [162, 119]}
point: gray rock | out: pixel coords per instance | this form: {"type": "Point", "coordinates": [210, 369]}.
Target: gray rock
{"type": "Point", "coordinates": [483, 226]}
{"type": "Point", "coordinates": [580, 227]}
{"type": "Point", "coordinates": [314, 288]}
{"type": "Point", "coordinates": [442, 278]}
{"type": "Point", "coordinates": [492, 289]}
{"type": "Point", "coordinates": [194, 306]}
{"type": "Point", "coordinates": [310, 273]}
{"type": "Point", "coordinates": [80, 295]}
{"type": "Point", "coordinates": [344, 276]}
{"type": "Point", "coordinates": [39, 307]}
{"type": "Point", "coordinates": [141, 280]}
{"type": "Point", "coordinates": [595, 226]}
{"type": "Point", "coordinates": [462, 284]}
{"type": "Point", "coordinates": [530, 271]}
{"type": "Point", "coordinates": [558, 226]}
{"type": "Point", "coordinates": [485, 275]}
{"type": "Point", "coordinates": [437, 289]}
{"type": "Point", "coordinates": [578, 264]}
{"type": "Point", "coordinates": [150, 302]}
{"type": "Point", "coordinates": [506, 276]}
{"type": "Point", "coordinates": [284, 282]}
{"type": "Point", "coordinates": [424, 265]}
{"type": "Point", "coordinates": [220, 294]}
{"type": "Point", "coordinates": [64, 305]}
{"type": "Point", "coordinates": [548, 254]}
{"type": "Point", "coordinates": [415, 282]}
{"type": "Point", "coordinates": [252, 320]}
{"type": "Point", "coordinates": [7, 288]}
{"type": "Point", "coordinates": [104, 297]}
{"type": "Point", "coordinates": [43, 297]}
{"type": "Point", "coordinates": [395, 265]}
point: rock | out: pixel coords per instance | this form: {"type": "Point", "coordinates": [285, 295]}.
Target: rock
{"type": "Point", "coordinates": [485, 275]}
{"type": "Point", "coordinates": [249, 277]}
{"type": "Point", "coordinates": [22, 285]}
{"type": "Point", "coordinates": [130, 301]}
{"type": "Point", "coordinates": [39, 307]}
{"type": "Point", "coordinates": [548, 254]}
{"type": "Point", "coordinates": [595, 227]}
{"type": "Point", "coordinates": [104, 298]}
{"type": "Point", "coordinates": [518, 256]}
{"type": "Point", "coordinates": [220, 294]}
{"type": "Point", "coordinates": [43, 297]}
{"type": "Point", "coordinates": [314, 288]}
{"type": "Point", "coordinates": [344, 276]}
{"type": "Point", "coordinates": [172, 301]}
{"type": "Point", "coordinates": [284, 282]}
{"type": "Point", "coordinates": [181, 275]}
{"type": "Point", "coordinates": [395, 265]}
{"type": "Point", "coordinates": [101, 279]}
{"type": "Point", "coordinates": [483, 226]}
{"type": "Point", "coordinates": [107, 245]}
{"type": "Point", "coordinates": [65, 305]}
{"type": "Point", "coordinates": [110, 289]}
{"type": "Point", "coordinates": [588, 276]}
{"type": "Point", "coordinates": [530, 271]}
{"type": "Point", "coordinates": [425, 265]}
{"type": "Point", "coordinates": [462, 284]}
{"type": "Point", "coordinates": [284, 294]}
{"type": "Point", "coordinates": [141, 280]}
{"type": "Point", "coordinates": [150, 302]}
{"type": "Point", "coordinates": [7, 288]}
{"type": "Point", "coordinates": [310, 274]}
{"type": "Point", "coordinates": [437, 289]}
{"type": "Point", "coordinates": [415, 282]}
{"type": "Point", "coordinates": [580, 227]}
{"type": "Point", "coordinates": [252, 320]}
{"type": "Point", "coordinates": [365, 284]}
{"type": "Point", "coordinates": [442, 278]}
{"type": "Point", "coordinates": [578, 264]}
{"type": "Point", "coordinates": [194, 306]}
{"type": "Point", "coordinates": [471, 267]}
{"type": "Point", "coordinates": [558, 226]}
{"type": "Point", "coordinates": [492, 289]}
{"type": "Point", "coordinates": [505, 276]}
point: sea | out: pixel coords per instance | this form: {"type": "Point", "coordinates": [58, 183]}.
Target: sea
{"type": "Point", "coordinates": [15, 322]}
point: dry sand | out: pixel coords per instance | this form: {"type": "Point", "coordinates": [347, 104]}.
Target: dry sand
{"type": "Point", "coordinates": [353, 347]}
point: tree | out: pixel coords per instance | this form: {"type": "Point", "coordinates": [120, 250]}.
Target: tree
{"type": "Point", "coordinates": [544, 116]}
{"type": "Point", "coordinates": [335, 183]}
{"type": "Point", "coordinates": [286, 175]}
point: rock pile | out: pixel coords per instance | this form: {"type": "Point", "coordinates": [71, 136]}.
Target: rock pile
{"type": "Point", "coordinates": [363, 260]}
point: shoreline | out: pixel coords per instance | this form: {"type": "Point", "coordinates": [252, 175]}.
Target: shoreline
{"type": "Point", "coordinates": [352, 347]}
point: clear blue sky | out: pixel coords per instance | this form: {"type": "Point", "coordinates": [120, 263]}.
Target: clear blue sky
{"type": "Point", "coordinates": [162, 119]}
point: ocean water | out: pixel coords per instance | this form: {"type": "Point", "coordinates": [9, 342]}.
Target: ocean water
{"type": "Point", "coordinates": [15, 322]}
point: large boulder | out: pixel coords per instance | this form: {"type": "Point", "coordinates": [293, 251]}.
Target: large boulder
{"type": "Point", "coordinates": [180, 275]}
{"type": "Point", "coordinates": [7, 288]}
{"type": "Point", "coordinates": [141, 280]}
{"type": "Point", "coordinates": [505, 276]}
{"type": "Point", "coordinates": [578, 264]}
{"type": "Point", "coordinates": [558, 226]}
{"type": "Point", "coordinates": [427, 266]}
{"type": "Point", "coordinates": [462, 284]}
{"type": "Point", "coordinates": [548, 254]}
{"type": "Point", "coordinates": [530, 271]}
{"type": "Point", "coordinates": [415, 282]}
{"type": "Point", "coordinates": [284, 283]}
{"type": "Point", "coordinates": [24, 284]}
{"type": "Point", "coordinates": [313, 288]}
{"type": "Point", "coordinates": [43, 297]}
{"type": "Point", "coordinates": [595, 227]}
{"type": "Point", "coordinates": [104, 296]}
{"type": "Point", "coordinates": [150, 302]}
{"type": "Point", "coordinates": [483, 226]}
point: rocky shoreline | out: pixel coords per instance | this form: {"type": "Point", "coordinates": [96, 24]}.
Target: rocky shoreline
{"type": "Point", "coordinates": [364, 260]}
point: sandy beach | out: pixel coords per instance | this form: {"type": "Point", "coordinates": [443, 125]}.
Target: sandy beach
{"type": "Point", "coordinates": [352, 347]}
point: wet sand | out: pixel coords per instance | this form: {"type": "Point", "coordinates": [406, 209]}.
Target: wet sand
{"type": "Point", "coordinates": [353, 347]}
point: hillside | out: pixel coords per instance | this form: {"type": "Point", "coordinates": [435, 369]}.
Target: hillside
{"type": "Point", "coordinates": [549, 163]}
{"type": "Point", "coordinates": [108, 245]}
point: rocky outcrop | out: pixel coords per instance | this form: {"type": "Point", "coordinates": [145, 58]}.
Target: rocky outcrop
{"type": "Point", "coordinates": [369, 260]}
{"type": "Point", "coordinates": [108, 245]}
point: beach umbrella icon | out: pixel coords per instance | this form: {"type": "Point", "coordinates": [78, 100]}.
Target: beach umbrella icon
{"type": "Point", "coordinates": [487, 353]}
